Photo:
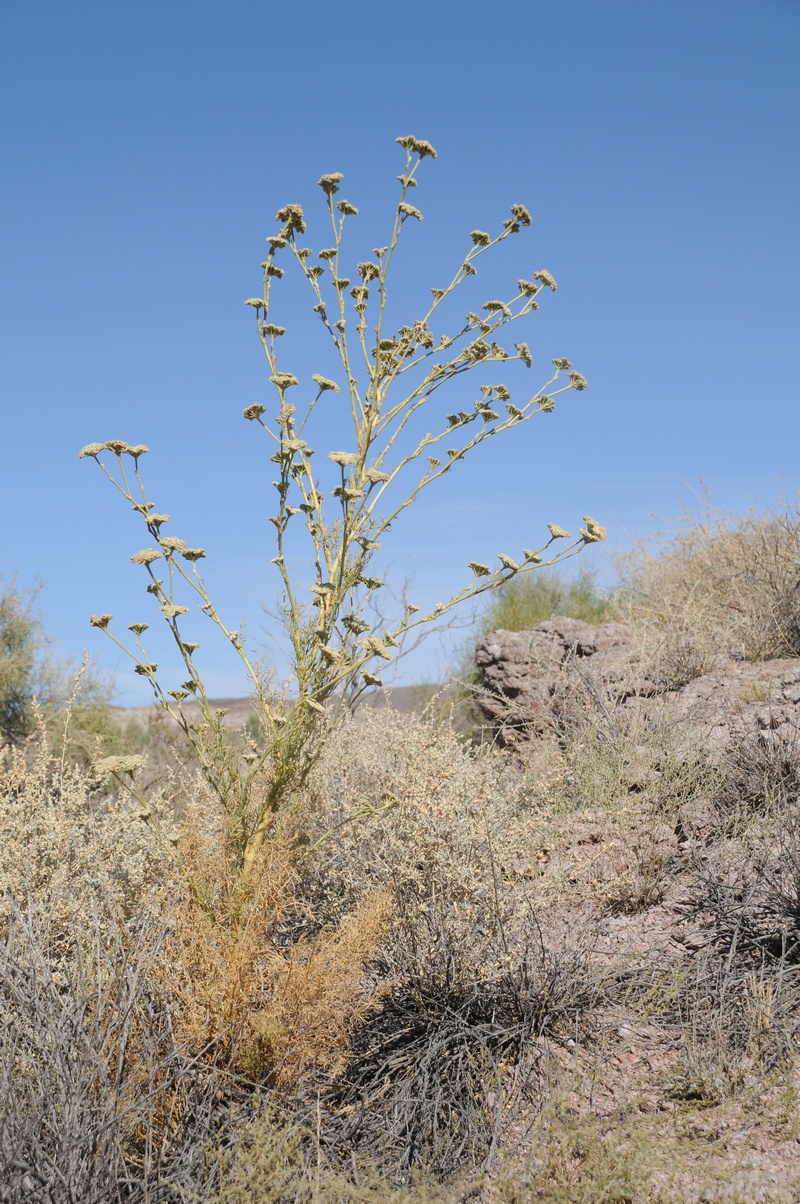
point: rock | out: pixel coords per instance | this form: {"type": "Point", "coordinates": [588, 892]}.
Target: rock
{"type": "Point", "coordinates": [528, 676]}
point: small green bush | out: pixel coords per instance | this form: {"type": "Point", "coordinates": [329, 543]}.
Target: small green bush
{"type": "Point", "coordinates": [31, 681]}
{"type": "Point", "coordinates": [524, 602]}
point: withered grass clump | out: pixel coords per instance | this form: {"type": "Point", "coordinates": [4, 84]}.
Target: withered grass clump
{"type": "Point", "coordinates": [457, 1039]}
{"type": "Point", "coordinates": [720, 584]}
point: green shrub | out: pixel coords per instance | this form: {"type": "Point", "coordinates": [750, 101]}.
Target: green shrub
{"type": "Point", "coordinates": [73, 706]}
{"type": "Point", "coordinates": [524, 602]}
{"type": "Point", "coordinates": [21, 671]}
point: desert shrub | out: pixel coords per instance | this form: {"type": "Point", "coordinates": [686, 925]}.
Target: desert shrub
{"type": "Point", "coordinates": [524, 602]}
{"type": "Point", "coordinates": [98, 1102]}
{"type": "Point", "coordinates": [457, 1036]}
{"type": "Point", "coordinates": [35, 688]}
{"type": "Point", "coordinates": [720, 583]}
{"type": "Point", "coordinates": [21, 641]}
{"type": "Point", "coordinates": [336, 645]}
{"type": "Point", "coordinates": [66, 843]}
{"type": "Point", "coordinates": [759, 775]}
{"type": "Point", "coordinates": [404, 793]}
{"type": "Point", "coordinates": [611, 756]}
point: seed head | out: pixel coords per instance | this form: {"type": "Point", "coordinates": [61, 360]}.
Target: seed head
{"type": "Point", "coordinates": [138, 628]}
{"type": "Point", "coordinates": [190, 649]}
{"type": "Point", "coordinates": [521, 215]}
{"type": "Point", "coordinates": [531, 557]}
{"type": "Point", "coordinates": [292, 217]}
{"type": "Point", "coordinates": [272, 331]}
{"type": "Point", "coordinates": [91, 449]}
{"type": "Point", "coordinates": [407, 181]}
{"type": "Point", "coordinates": [355, 624]}
{"type": "Point", "coordinates": [138, 450]}
{"type": "Point", "coordinates": [417, 145]}
{"type": "Point", "coordinates": [546, 279]}
{"type": "Point", "coordinates": [156, 520]}
{"type": "Point", "coordinates": [507, 562]}
{"type": "Point", "coordinates": [341, 283]}
{"type": "Point", "coordinates": [192, 554]}
{"type": "Point", "coordinates": [146, 669]}
{"type": "Point", "coordinates": [437, 293]}
{"type": "Point", "coordinates": [557, 532]}
{"type": "Point", "coordinates": [528, 288]}
{"type": "Point", "coordinates": [368, 271]}
{"type": "Point", "coordinates": [346, 209]}
{"type": "Point", "coordinates": [117, 446]}
{"type": "Point", "coordinates": [524, 353]}
{"type": "Point", "coordinates": [561, 365]}
{"type": "Point", "coordinates": [480, 238]}
{"type": "Point", "coordinates": [254, 411]}
{"type": "Point", "coordinates": [330, 183]}
{"type": "Point", "coordinates": [127, 764]}
{"type": "Point", "coordinates": [328, 253]}
{"type": "Point", "coordinates": [468, 269]}
{"type": "Point", "coordinates": [284, 380]}
{"type": "Point", "coordinates": [273, 270]}
{"type": "Point", "coordinates": [324, 383]}
{"type": "Point", "coordinates": [313, 704]}
{"type": "Point", "coordinates": [373, 646]}
{"type": "Point", "coordinates": [494, 307]}
{"type": "Point", "coordinates": [256, 302]}
{"type": "Point", "coordinates": [379, 251]}
{"type": "Point", "coordinates": [375, 476]}
{"type": "Point", "coordinates": [594, 532]}
{"type": "Point", "coordinates": [179, 695]}
{"type": "Point", "coordinates": [172, 544]}
{"type": "Point", "coordinates": [480, 570]}
{"type": "Point", "coordinates": [171, 612]}
{"type": "Point", "coordinates": [547, 404]}
{"type": "Point", "coordinates": [409, 211]}
{"type": "Point", "coordinates": [577, 381]}
{"type": "Point", "coordinates": [370, 679]}
{"type": "Point", "coordinates": [343, 458]}
{"type": "Point", "coordinates": [101, 621]}
{"type": "Point", "coordinates": [514, 411]}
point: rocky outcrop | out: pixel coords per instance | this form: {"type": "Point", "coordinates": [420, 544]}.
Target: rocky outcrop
{"type": "Point", "coordinates": [528, 676]}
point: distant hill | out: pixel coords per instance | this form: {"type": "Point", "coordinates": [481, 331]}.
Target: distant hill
{"type": "Point", "coordinates": [400, 698]}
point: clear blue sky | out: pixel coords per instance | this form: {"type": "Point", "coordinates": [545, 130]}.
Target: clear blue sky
{"type": "Point", "coordinates": [147, 144]}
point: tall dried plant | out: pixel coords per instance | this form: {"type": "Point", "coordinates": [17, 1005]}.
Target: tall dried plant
{"type": "Point", "coordinates": [335, 648]}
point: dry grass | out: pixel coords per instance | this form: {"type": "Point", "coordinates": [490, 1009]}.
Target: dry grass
{"type": "Point", "coordinates": [721, 584]}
